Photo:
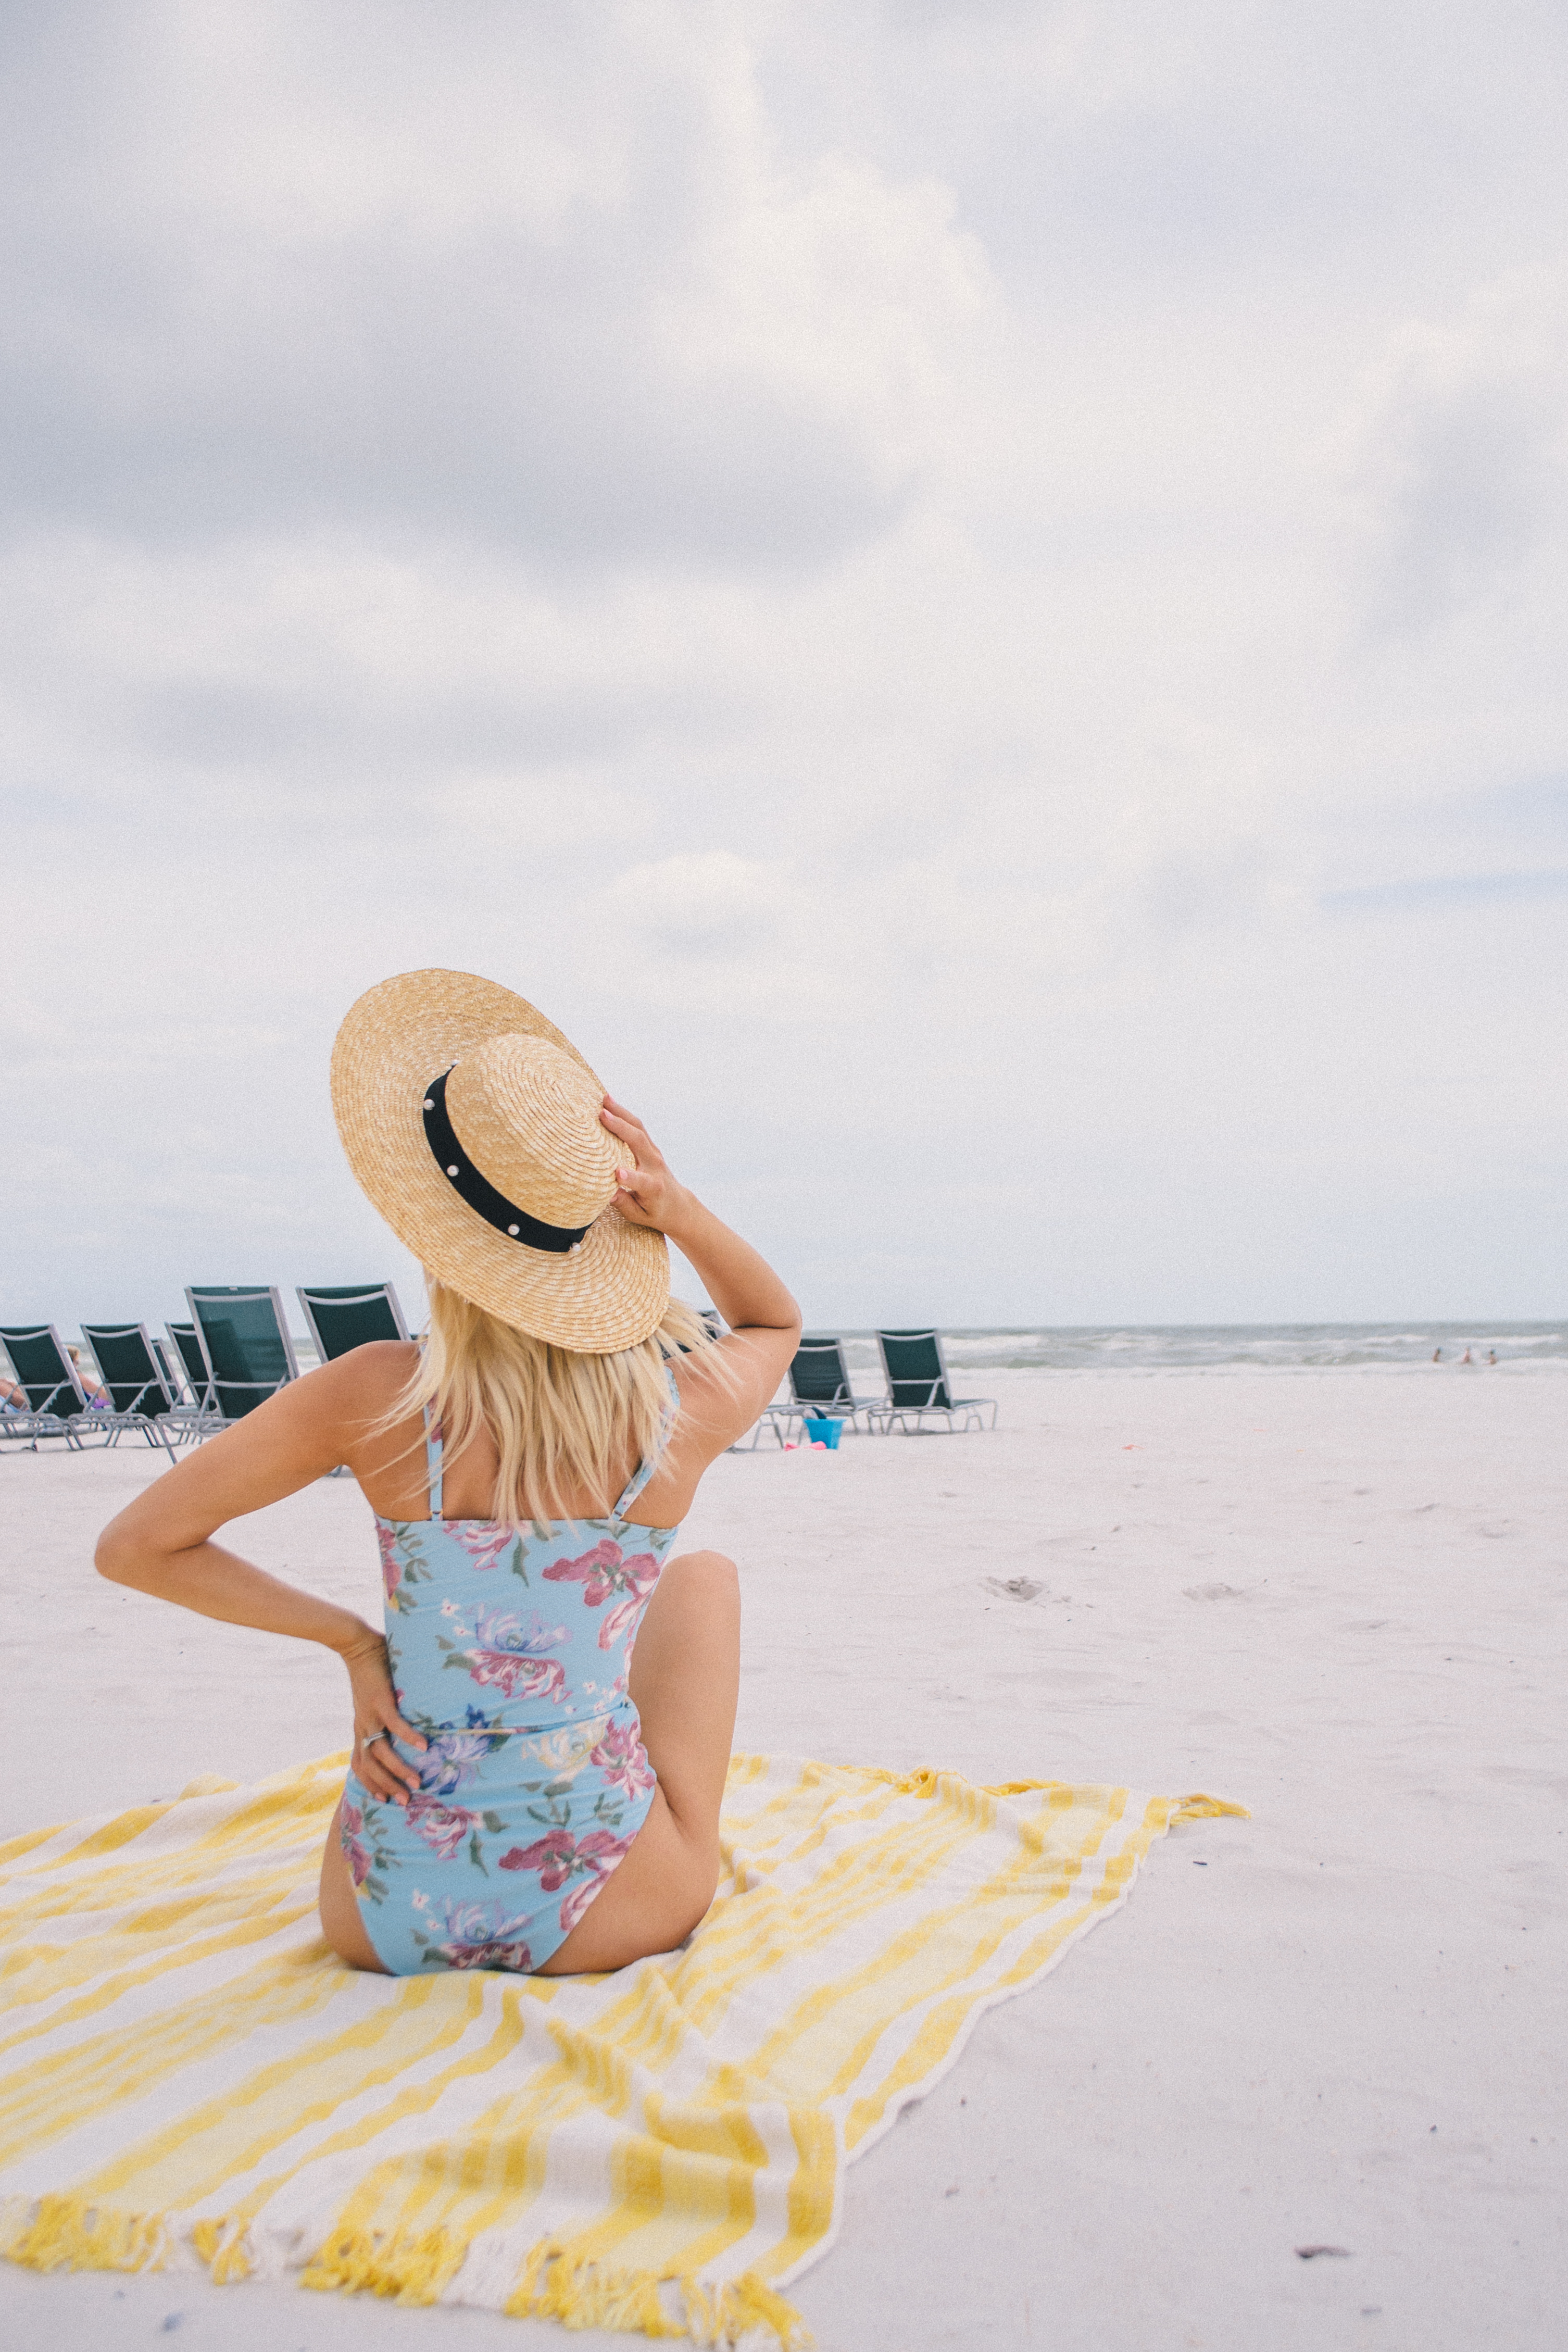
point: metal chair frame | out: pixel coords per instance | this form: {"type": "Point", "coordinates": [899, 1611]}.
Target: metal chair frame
{"type": "Point", "coordinates": [939, 1397]}
{"type": "Point", "coordinates": [188, 1423]}
{"type": "Point", "coordinates": [195, 1378]}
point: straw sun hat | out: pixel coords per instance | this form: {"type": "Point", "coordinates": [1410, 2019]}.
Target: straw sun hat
{"type": "Point", "coordinates": [473, 1124]}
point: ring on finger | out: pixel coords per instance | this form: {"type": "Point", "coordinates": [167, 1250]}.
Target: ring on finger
{"type": "Point", "coordinates": [370, 1737]}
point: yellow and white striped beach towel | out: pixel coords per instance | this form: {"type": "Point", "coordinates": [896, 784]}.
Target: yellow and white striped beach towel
{"type": "Point", "coordinates": [187, 2075]}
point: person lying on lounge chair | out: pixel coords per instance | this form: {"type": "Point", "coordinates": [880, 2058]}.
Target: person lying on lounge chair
{"type": "Point", "coordinates": [93, 1390]}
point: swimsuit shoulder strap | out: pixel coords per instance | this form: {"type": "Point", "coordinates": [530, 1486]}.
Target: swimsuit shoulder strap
{"type": "Point", "coordinates": [645, 1470]}
{"type": "Point", "coordinates": [433, 1462]}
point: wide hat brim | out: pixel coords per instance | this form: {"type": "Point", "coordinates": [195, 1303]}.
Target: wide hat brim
{"type": "Point", "coordinates": [610, 1292]}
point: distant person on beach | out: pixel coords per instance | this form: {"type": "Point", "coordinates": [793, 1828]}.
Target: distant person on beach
{"type": "Point", "coordinates": [13, 1396]}
{"type": "Point", "coordinates": [93, 1390]}
{"type": "Point", "coordinates": [1491, 1355]}
{"type": "Point", "coordinates": [541, 1734]}
{"type": "Point", "coordinates": [1437, 1355]}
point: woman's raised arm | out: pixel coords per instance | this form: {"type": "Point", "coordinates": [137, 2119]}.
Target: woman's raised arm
{"type": "Point", "coordinates": [764, 1320]}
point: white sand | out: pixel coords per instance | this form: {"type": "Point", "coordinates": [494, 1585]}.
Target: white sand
{"type": "Point", "coordinates": [1338, 1598]}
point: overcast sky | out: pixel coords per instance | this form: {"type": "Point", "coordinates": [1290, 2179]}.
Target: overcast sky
{"type": "Point", "coordinates": [972, 598]}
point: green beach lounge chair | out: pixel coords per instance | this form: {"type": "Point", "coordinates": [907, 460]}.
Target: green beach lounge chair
{"type": "Point", "coordinates": [57, 1402]}
{"type": "Point", "coordinates": [245, 1346]}
{"type": "Point", "coordinates": [350, 1315]}
{"type": "Point", "coordinates": [133, 1377]}
{"type": "Point", "coordinates": [819, 1388]}
{"type": "Point", "coordinates": [918, 1384]}
{"type": "Point", "coordinates": [819, 1383]}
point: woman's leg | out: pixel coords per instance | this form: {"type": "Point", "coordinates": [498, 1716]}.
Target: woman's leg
{"type": "Point", "coordinates": [340, 1921]}
{"type": "Point", "coordinates": [685, 1675]}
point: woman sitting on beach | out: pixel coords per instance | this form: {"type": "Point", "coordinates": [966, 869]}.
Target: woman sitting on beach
{"type": "Point", "coordinates": [542, 1735]}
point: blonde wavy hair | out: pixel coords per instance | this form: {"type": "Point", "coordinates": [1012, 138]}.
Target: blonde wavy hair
{"type": "Point", "coordinates": [559, 1420]}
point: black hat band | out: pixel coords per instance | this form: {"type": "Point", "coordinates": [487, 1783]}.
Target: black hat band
{"type": "Point", "coordinates": [478, 1190]}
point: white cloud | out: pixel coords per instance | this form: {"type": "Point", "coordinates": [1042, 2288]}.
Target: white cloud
{"type": "Point", "coordinates": [1462, 450]}
{"type": "Point", "coordinates": [547, 287]}
{"type": "Point", "coordinates": [893, 567]}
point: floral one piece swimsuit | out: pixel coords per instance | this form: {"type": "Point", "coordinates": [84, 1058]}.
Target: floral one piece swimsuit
{"type": "Point", "coordinates": [509, 1650]}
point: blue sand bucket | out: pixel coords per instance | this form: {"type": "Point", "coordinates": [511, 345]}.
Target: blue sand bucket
{"type": "Point", "coordinates": [824, 1432]}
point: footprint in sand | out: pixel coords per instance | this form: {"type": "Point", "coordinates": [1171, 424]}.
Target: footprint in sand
{"type": "Point", "coordinates": [1212, 1592]}
{"type": "Point", "coordinates": [1013, 1588]}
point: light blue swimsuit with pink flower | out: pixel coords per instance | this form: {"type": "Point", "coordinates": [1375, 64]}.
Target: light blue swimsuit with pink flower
{"type": "Point", "coordinates": [509, 1649]}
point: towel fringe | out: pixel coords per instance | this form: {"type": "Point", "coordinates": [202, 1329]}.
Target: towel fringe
{"type": "Point", "coordinates": [223, 2247]}
{"type": "Point", "coordinates": [415, 2266]}
{"type": "Point", "coordinates": [927, 1779]}
{"type": "Point", "coordinates": [743, 2315]}
{"type": "Point", "coordinates": [407, 2266]}
{"type": "Point", "coordinates": [69, 2233]}
{"type": "Point", "coordinates": [924, 1781]}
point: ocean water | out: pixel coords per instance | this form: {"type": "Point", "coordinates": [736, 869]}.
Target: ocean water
{"type": "Point", "coordinates": [1217, 1348]}
{"type": "Point", "coordinates": [1245, 1347]}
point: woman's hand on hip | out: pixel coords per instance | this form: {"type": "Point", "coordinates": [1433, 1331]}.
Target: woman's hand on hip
{"type": "Point", "coordinates": [649, 1194]}
{"type": "Point", "coordinates": [377, 1766]}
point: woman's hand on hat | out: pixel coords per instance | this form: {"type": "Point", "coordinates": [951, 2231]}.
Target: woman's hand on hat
{"type": "Point", "coordinates": [648, 1195]}
{"type": "Point", "coordinates": [376, 1764]}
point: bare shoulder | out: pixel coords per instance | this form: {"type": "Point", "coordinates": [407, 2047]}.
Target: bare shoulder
{"type": "Point", "coordinates": [370, 1376]}
{"type": "Point", "coordinates": [351, 1395]}
{"type": "Point", "coordinates": [328, 1413]}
